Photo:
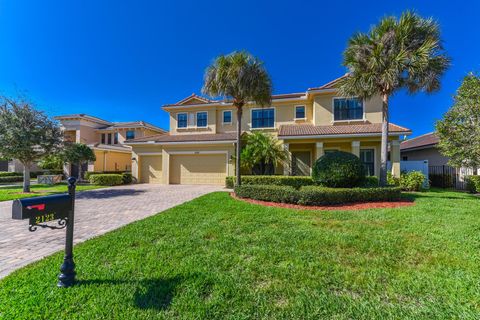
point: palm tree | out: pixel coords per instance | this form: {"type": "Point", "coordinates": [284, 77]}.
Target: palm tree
{"type": "Point", "coordinates": [395, 54]}
{"type": "Point", "coordinates": [262, 152]}
{"type": "Point", "coordinates": [242, 78]}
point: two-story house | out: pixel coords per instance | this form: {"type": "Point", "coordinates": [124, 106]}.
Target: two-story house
{"type": "Point", "coordinates": [200, 146]}
{"type": "Point", "coordinates": [106, 139]}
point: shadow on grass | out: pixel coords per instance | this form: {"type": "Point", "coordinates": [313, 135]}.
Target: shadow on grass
{"type": "Point", "coordinates": [111, 193]}
{"type": "Point", "coordinates": [154, 293]}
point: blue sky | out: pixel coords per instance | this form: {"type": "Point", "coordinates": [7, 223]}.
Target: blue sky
{"type": "Point", "coordinates": [122, 60]}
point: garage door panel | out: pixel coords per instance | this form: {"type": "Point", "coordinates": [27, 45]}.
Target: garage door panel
{"type": "Point", "coordinates": [151, 169]}
{"type": "Point", "coordinates": [198, 169]}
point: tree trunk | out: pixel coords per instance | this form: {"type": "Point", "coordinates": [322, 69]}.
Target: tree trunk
{"type": "Point", "coordinates": [239, 146]}
{"type": "Point", "coordinates": [79, 171]}
{"type": "Point", "coordinates": [384, 146]}
{"type": "Point", "coordinates": [26, 177]}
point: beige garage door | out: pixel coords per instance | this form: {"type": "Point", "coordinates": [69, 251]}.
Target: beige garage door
{"type": "Point", "coordinates": [151, 169]}
{"type": "Point", "coordinates": [198, 169]}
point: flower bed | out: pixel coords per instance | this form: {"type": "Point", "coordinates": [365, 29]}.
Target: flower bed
{"type": "Point", "coordinates": [314, 195]}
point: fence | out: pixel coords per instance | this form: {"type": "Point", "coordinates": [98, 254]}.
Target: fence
{"type": "Point", "coordinates": [408, 166]}
{"type": "Point", "coordinates": [448, 177]}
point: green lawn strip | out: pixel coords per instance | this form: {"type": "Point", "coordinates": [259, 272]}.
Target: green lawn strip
{"type": "Point", "coordinates": [12, 193]}
{"type": "Point", "coordinates": [216, 257]}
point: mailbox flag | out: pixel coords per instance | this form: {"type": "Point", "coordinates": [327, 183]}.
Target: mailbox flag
{"type": "Point", "coordinates": [39, 207]}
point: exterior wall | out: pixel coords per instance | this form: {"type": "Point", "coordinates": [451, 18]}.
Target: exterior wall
{"type": "Point", "coordinates": [112, 161]}
{"type": "Point", "coordinates": [434, 157]}
{"type": "Point", "coordinates": [192, 129]}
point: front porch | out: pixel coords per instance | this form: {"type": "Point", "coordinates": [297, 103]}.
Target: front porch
{"type": "Point", "coordinates": [303, 153]}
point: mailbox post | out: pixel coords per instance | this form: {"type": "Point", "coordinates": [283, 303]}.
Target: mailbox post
{"type": "Point", "coordinates": [67, 275]}
{"type": "Point", "coordinates": [40, 210]}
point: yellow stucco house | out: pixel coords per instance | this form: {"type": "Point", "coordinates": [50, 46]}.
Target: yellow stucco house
{"type": "Point", "coordinates": [201, 142]}
{"type": "Point", "coordinates": [106, 139]}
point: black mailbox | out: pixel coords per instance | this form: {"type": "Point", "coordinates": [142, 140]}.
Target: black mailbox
{"type": "Point", "coordinates": [42, 209]}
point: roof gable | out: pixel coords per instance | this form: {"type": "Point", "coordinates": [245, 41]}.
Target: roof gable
{"type": "Point", "coordinates": [193, 99]}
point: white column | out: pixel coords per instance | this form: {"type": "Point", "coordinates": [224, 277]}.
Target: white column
{"type": "Point", "coordinates": [319, 150]}
{"type": "Point", "coordinates": [165, 166]}
{"type": "Point", "coordinates": [356, 148]}
{"type": "Point", "coordinates": [395, 157]}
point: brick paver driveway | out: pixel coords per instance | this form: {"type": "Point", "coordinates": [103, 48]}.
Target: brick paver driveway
{"type": "Point", "coordinates": [97, 212]}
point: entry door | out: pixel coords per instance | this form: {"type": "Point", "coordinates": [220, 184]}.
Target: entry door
{"type": "Point", "coordinates": [301, 163]}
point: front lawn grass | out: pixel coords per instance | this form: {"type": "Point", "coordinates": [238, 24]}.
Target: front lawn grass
{"type": "Point", "coordinates": [16, 192]}
{"type": "Point", "coordinates": [220, 258]}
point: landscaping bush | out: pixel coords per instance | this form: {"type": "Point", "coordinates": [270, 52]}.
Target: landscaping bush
{"type": "Point", "coordinates": [7, 179]}
{"type": "Point", "coordinates": [292, 181]}
{"type": "Point", "coordinates": [412, 181]}
{"type": "Point", "coordinates": [10, 174]}
{"type": "Point", "coordinates": [315, 195]}
{"type": "Point", "coordinates": [106, 179]}
{"type": "Point", "coordinates": [127, 177]}
{"type": "Point", "coordinates": [283, 194]}
{"type": "Point", "coordinates": [370, 182]}
{"type": "Point", "coordinates": [473, 184]}
{"type": "Point", "coordinates": [338, 169]}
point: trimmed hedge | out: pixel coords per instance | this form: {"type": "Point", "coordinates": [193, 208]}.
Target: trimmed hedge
{"type": "Point", "coordinates": [473, 184]}
{"type": "Point", "coordinates": [338, 170]}
{"type": "Point", "coordinates": [370, 182]}
{"type": "Point", "coordinates": [127, 177]}
{"type": "Point", "coordinates": [291, 181]}
{"type": "Point", "coordinates": [314, 195]}
{"type": "Point", "coordinates": [10, 174]}
{"type": "Point", "coordinates": [8, 179]}
{"type": "Point", "coordinates": [106, 179]}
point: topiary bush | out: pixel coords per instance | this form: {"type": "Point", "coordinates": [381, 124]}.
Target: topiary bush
{"type": "Point", "coordinates": [106, 179]}
{"type": "Point", "coordinates": [292, 181]}
{"type": "Point", "coordinates": [473, 184]}
{"type": "Point", "coordinates": [338, 170]}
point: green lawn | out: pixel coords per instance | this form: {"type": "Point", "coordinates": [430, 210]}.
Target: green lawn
{"type": "Point", "coordinates": [220, 258]}
{"type": "Point", "coordinates": [11, 193]}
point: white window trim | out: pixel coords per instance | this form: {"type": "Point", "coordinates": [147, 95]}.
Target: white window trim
{"type": "Point", "coordinates": [374, 149]}
{"type": "Point", "coordinates": [295, 112]}
{"type": "Point", "coordinates": [364, 118]}
{"type": "Point", "coordinates": [265, 128]}
{"type": "Point", "coordinates": [185, 113]}
{"type": "Point", "coordinates": [196, 120]}
{"type": "Point", "coordinates": [223, 117]}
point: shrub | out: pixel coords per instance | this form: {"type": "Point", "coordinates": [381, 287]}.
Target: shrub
{"type": "Point", "coordinates": [338, 169]}
{"type": "Point", "coordinates": [106, 179]}
{"type": "Point", "coordinates": [392, 180]}
{"type": "Point", "coordinates": [292, 181]}
{"type": "Point", "coordinates": [473, 184]}
{"type": "Point", "coordinates": [7, 179]}
{"type": "Point", "coordinates": [370, 182]}
{"type": "Point", "coordinates": [127, 177]}
{"type": "Point", "coordinates": [412, 181]}
{"type": "Point", "coordinates": [315, 195]}
{"type": "Point", "coordinates": [10, 174]}
{"type": "Point", "coordinates": [284, 194]}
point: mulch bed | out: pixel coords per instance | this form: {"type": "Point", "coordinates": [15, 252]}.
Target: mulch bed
{"type": "Point", "coordinates": [349, 206]}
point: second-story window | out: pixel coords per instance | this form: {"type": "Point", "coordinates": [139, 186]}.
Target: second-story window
{"type": "Point", "coordinates": [202, 119]}
{"type": "Point", "coordinates": [263, 118]}
{"type": "Point", "coordinates": [182, 120]}
{"type": "Point", "coordinates": [130, 134]}
{"type": "Point", "coordinates": [103, 138]}
{"type": "Point", "coordinates": [299, 112]}
{"type": "Point", "coordinates": [227, 116]}
{"type": "Point", "coordinates": [115, 138]}
{"type": "Point", "coordinates": [347, 109]}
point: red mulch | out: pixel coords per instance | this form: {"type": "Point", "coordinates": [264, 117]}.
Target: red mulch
{"type": "Point", "coordinates": [349, 206]}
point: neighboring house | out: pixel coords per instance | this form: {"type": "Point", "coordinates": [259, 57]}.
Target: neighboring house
{"type": "Point", "coordinates": [16, 166]}
{"type": "Point", "coordinates": [106, 139]}
{"type": "Point", "coordinates": [200, 146]}
{"type": "Point", "coordinates": [423, 147]}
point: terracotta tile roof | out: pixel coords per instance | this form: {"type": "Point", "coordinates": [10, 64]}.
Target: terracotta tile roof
{"type": "Point", "coordinates": [311, 130]}
{"type": "Point", "coordinates": [429, 139]}
{"type": "Point", "coordinates": [186, 138]}
{"type": "Point", "coordinates": [132, 124]}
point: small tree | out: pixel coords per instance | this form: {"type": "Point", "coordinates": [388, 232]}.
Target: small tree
{"type": "Point", "coordinates": [243, 78]}
{"type": "Point", "coordinates": [78, 153]}
{"type": "Point", "coordinates": [26, 134]}
{"type": "Point", "coordinates": [459, 130]}
{"type": "Point", "coordinates": [52, 162]}
{"type": "Point", "coordinates": [396, 53]}
{"type": "Point", "coordinates": [262, 152]}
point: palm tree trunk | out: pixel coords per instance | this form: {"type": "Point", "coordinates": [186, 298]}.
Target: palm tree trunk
{"type": "Point", "coordinates": [384, 146]}
{"type": "Point", "coordinates": [239, 147]}
{"type": "Point", "coordinates": [26, 177]}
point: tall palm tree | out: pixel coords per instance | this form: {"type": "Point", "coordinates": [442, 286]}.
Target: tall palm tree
{"type": "Point", "coordinates": [395, 54]}
{"type": "Point", "coordinates": [242, 78]}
